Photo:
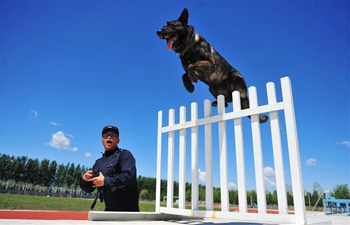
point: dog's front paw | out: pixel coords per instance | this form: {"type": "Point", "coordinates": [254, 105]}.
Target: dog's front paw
{"type": "Point", "coordinates": [189, 87]}
{"type": "Point", "coordinates": [187, 83]}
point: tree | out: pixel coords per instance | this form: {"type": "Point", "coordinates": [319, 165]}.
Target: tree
{"type": "Point", "coordinates": [6, 164]}
{"type": "Point", "coordinates": [43, 171]}
{"type": "Point", "coordinates": [61, 175]}
{"type": "Point", "coordinates": [19, 169]}
{"type": "Point", "coordinates": [144, 194]}
{"type": "Point", "coordinates": [290, 199]}
{"type": "Point", "coordinates": [314, 198]}
{"type": "Point", "coordinates": [78, 173]}
{"type": "Point", "coordinates": [317, 187]}
{"type": "Point", "coordinates": [274, 198]}
{"type": "Point", "coordinates": [217, 195]}
{"type": "Point", "coordinates": [201, 192]}
{"type": "Point", "coordinates": [233, 197]}
{"type": "Point", "coordinates": [32, 171]}
{"type": "Point", "coordinates": [268, 197]}
{"type": "Point", "coordinates": [251, 197]}
{"type": "Point", "coordinates": [341, 191]}
{"type": "Point", "coordinates": [70, 174]}
{"type": "Point", "coordinates": [51, 174]}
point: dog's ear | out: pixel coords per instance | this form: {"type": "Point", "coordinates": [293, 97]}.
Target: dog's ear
{"type": "Point", "coordinates": [184, 16]}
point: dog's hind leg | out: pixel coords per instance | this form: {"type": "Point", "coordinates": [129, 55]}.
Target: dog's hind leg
{"type": "Point", "coordinates": [216, 91]}
{"type": "Point", "coordinates": [241, 88]}
{"type": "Point", "coordinates": [187, 83]}
{"type": "Point", "coordinates": [245, 105]}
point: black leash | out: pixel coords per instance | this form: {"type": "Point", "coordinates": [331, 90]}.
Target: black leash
{"type": "Point", "coordinates": [96, 197]}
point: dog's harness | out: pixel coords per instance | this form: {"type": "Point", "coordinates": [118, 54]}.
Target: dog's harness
{"type": "Point", "coordinates": [189, 44]}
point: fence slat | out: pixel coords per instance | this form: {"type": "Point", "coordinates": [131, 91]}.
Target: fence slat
{"type": "Point", "coordinates": [194, 156]}
{"type": "Point", "coordinates": [240, 163]}
{"type": "Point", "coordinates": [170, 182]}
{"type": "Point", "coordinates": [223, 156]}
{"type": "Point", "coordinates": [277, 152]}
{"type": "Point", "coordinates": [258, 157]}
{"type": "Point", "coordinates": [293, 149]}
{"type": "Point", "coordinates": [182, 161]}
{"type": "Point", "coordinates": [209, 198]}
{"type": "Point", "coordinates": [159, 161]}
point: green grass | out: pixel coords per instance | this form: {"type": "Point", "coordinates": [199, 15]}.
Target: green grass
{"type": "Point", "coordinates": [29, 202]}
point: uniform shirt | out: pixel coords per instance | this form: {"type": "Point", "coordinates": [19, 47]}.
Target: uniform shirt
{"type": "Point", "coordinates": [120, 190]}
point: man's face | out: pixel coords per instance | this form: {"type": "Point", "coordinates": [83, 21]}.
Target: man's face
{"type": "Point", "coordinates": [110, 140]}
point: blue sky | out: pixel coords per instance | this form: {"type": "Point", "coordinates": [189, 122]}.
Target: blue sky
{"type": "Point", "coordinates": [68, 68]}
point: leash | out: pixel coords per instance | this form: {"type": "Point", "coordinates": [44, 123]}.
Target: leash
{"type": "Point", "coordinates": [99, 194]}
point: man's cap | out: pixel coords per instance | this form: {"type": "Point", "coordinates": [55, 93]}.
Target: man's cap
{"type": "Point", "coordinates": [110, 127]}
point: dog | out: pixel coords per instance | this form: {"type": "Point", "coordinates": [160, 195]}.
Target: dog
{"type": "Point", "coordinates": [201, 62]}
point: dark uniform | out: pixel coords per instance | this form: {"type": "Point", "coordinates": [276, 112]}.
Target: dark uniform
{"type": "Point", "coordinates": [120, 191]}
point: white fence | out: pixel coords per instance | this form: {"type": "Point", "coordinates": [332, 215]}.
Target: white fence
{"type": "Point", "coordinates": [283, 216]}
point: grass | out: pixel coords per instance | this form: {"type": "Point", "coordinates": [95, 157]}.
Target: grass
{"type": "Point", "coordinates": [29, 202]}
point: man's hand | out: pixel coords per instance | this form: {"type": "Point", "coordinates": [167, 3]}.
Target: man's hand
{"type": "Point", "coordinates": [88, 175]}
{"type": "Point", "coordinates": [98, 181]}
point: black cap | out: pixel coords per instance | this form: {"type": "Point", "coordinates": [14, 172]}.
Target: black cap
{"type": "Point", "coordinates": [110, 127]}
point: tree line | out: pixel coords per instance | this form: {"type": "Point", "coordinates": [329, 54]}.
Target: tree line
{"type": "Point", "coordinates": [23, 174]}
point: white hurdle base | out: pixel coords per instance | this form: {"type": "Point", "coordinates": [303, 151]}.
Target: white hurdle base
{"type": "Point", "coordinates": [129, 216]}
{"type": "Point", "coordinates": [195, 215]}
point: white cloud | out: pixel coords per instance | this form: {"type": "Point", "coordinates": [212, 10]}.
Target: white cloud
{"type": "Point", "coordinates": [268, 171]}
{"type": "Point", "coordinates": [269, 182]}
{"type": "Point", "coordinates": [269, 177]}
{"type": "Point", "coordinates": [201, 175]}
{"type": "Point", "coordinates": [311, 162]}
{"type": "Point", "coordinates": [54, 123]}
{"type": "Point", "coordinates": [87, 154]}
{"type": "Point", "coordinates": [231, 185]}
{"type": "Point", "coordinates": [346, 143]}
{"type": "Point", "coordinates": [60, 141]}
{"type": "Point", "coordinates": [32, 114]}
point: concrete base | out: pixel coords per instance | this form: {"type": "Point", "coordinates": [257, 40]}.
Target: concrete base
{"type": "Point", "coordinates": [130, 216]}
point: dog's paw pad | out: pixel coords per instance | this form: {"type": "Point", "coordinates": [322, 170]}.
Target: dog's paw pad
{"type": "Point", "coordinates": [189, 88]}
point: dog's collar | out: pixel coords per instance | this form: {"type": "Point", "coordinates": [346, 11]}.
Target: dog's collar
{"type": "Point", "coordinates": [189, 44]}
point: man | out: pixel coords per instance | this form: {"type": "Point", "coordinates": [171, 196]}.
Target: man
{"type": "Point", "coordinates": [114, 174]}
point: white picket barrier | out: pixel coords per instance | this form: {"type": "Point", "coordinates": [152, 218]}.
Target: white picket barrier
{"type": "Point", "coordinates": [298, 216]}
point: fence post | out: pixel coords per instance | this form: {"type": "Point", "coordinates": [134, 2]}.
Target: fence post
{"type": "Point", "coordinates": [258, 157]}
{"type": "Point", "coordinates": [182, 161]}
{"type": "Point", "coordinates": [170, 182]}
{"type": "Point", "coordinates": [209, 199]}
{"type": "Point", "coordinates": [223, 156]}
{"type": "Point", "coordinates": [159, 160]}
{"type": "Point", "coordinates": [240, 163]}
{"type": "Point", "coordinates": [194, 156]}
{"type": "Point", "coordinates": [277, 152]}
{"type": "Point", "coordinates": [293, 149]}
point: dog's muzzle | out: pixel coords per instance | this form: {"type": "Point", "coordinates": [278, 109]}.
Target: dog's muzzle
{"type": "Point", "coordinates": [170, 39]}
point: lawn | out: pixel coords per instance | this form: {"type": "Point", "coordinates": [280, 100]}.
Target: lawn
{"type": "Point", "coordinates": [29, 202]}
